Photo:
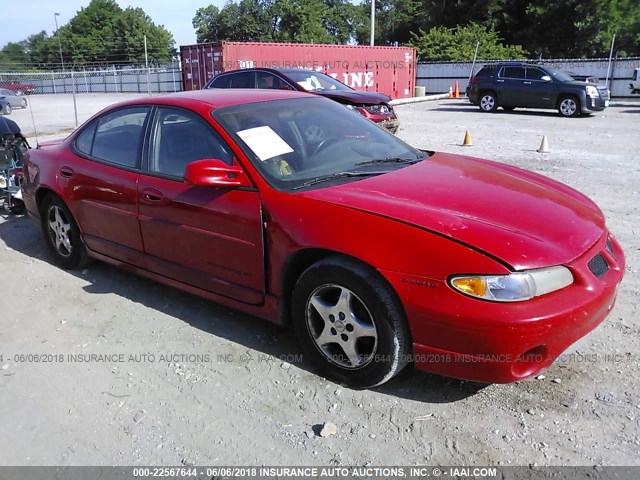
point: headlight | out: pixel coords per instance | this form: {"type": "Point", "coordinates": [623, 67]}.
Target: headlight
{"type": "Point", "coordinates": [592, 91]}
{"type": "Point", "coordinates": [514, 287]}
{"type": "Point", "coordinates": [350, 107]}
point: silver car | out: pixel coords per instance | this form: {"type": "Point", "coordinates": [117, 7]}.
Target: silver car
{"type": "Point", "coordinates": [13, 100]}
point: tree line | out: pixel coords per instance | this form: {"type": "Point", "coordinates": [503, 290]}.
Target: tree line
{"type": "Point", "coordinates": [439, 29]}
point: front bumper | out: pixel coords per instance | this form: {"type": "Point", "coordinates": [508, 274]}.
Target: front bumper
{"type": "Point", "coordinates": [490, 342]}
{"type": "Point", "coordinates": [595, 104]}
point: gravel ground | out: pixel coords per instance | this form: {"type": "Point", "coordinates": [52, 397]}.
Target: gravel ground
{"type": "Point", "coordinates": [190, 382]}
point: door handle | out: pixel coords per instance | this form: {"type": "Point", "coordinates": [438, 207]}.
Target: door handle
{"type": "Point", "coordinates": [527, 83]}
{"type": "Point", "coordinates": [67, 172]}
{"type": "Point", "coordinates": [152, 195]}
{"type": "Point", "coordinates": [500, 81]}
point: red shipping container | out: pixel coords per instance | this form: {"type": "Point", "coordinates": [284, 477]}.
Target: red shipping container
{"type": "Point", "coordinates": [389, 70]}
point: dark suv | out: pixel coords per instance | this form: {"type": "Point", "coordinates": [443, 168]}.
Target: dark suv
{"type": "Point", "coordinates": [372, 105]}
{"type": "Point", "coordinates": [510, 85]}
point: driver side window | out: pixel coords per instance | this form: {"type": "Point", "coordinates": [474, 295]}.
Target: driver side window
{"type": "Point", "coordinates": [181, 137]}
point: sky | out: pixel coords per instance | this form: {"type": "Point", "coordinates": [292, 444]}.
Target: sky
{"type": "Point", "coordinates": [21, 19]}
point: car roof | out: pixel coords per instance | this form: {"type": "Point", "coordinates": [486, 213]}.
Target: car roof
{"type": "Point", "coordinates": [216, 98]}
{"type": "Point", "coordinates": [284, 70]}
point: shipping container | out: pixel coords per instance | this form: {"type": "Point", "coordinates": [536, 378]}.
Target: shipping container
{"type": "Point", "coordinates": [389, 70]}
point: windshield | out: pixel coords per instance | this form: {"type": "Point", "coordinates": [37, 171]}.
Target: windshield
{"type": "Point", "coordinates": [301, 142]}
{"type": "Point", "coordinates": [314, 81]}
{"type": "Point", "coordinates": [559, 75]}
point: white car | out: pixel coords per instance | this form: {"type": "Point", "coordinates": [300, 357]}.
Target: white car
{"type": "Point", "coordinates": [634, 86]}
{"type": "Point", "coordinates": [13, 100]}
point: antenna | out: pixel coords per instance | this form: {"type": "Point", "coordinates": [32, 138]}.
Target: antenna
{"type": "Point", "coordinates": [33, 121]}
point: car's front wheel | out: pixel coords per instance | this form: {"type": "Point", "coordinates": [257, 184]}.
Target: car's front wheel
{"type": "Point", "coordinates": [569, 107]}
{"type": "Point", "coordinates": [350, 322]}
{"type": "Point", "coordinates": [24, 103]}
{"type": "Point", "coordinates": [62, 234]}
{"type": "Point", "coordinates": [488, 102]}
{"type": "Point", "coordinates": [7, 109]}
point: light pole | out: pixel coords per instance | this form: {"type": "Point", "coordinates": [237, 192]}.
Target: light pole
{"type": "Point", "coordinates": [373, 20]}
{"type": "Point", "coordinates": [55, 18]}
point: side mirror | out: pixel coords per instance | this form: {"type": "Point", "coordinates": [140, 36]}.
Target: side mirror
{"type": "Point", "coordinates": [212, 172]}
{"type": "Point", "coordinates": [545, 78]}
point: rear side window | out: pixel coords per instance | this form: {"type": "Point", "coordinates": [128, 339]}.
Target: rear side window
{"type": "Point", "coordinates": [512, 72]}
{"type": "Point", "coordinates": [116, 137]}
{"type": "Point", "coordinates": [487, 71]}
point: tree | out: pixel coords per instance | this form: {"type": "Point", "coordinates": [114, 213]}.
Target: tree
{"type": "Point", "coordinates": [459, 43]}
{"type": "Point", "coordinates": [100, 33]}
{"type": "Point", "coordinates": [306, 21]}
{"type": "Point", "coordinates": [103, 32]}
{"type": "Point", "coordinates": [248, 20]}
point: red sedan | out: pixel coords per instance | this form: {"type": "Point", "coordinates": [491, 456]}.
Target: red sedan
{"type": "Point", "coordinates": [377, 254]}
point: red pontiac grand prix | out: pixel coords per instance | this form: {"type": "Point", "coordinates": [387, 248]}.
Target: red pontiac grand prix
{"type": "Point", "coordinates": [290, 207]}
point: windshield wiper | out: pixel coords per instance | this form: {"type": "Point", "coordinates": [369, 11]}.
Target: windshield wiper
{"type": "Point", "coordinates": [333, 176]}
{"type": "Point", "coordinates": [391, 160]}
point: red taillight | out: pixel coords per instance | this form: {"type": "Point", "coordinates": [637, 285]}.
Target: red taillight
{"type": "Point", "coordinates": [474, 80]}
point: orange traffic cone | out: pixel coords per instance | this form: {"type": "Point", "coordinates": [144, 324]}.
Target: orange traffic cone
{"type": "Point", "coordinates": [456, 91]}
{"type": "Point", "coordinates": [467, 139]}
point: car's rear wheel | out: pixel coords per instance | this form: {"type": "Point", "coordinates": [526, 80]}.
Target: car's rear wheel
{"type": "Point", "coordinates": [350, 322]}
{"type": "Point", "coordinates": [569, 107]}
{"type": "Point", "coordinates": [488, 102]}
{"type": "Point", "coordinates": [62, 234]}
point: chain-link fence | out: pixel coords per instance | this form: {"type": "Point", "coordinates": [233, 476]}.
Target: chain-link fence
{"type": "Point", "coordinates": [123, 79]}
{"type": "Point", "coordinates": [55, 101]}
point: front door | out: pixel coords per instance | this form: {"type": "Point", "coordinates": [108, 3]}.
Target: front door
{"type": "Point", "coordinates": [539, 92]}
{"type": "Point", "coordinates": [207, 237]}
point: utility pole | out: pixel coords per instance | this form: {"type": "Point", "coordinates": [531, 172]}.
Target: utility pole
{"type": "Point", "coordinates": [55, 18]}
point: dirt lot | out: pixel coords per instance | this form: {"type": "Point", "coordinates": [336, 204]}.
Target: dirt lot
{"type": "Point", "coordinates": [197, 383]}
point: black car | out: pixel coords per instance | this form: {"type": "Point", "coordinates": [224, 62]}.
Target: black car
{"type": "Point", "coordinates": [372, 105]}
{"type": "Point", "coordinates": [510, 85]}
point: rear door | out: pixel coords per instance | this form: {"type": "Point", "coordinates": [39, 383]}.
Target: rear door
{"type": "Point", "coordinates": [511, 87]}
{"type": "Point", "coordinates": [210, 238]}
{"type": "Point", "coordinates": [101, 183]}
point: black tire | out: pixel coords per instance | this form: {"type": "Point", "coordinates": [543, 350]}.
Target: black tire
{"type": "Point", "coordinates": [62, 234]}
{"type": "Point", "coordinates": [24, 103]}
{"type": "Point", "coordinates": [488, 102]}
{"type": "Point", "coordinates": [370, 323]}
{"type": "Point", "coordinates": [569, 106]}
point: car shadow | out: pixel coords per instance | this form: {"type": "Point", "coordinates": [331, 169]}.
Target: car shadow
{"type": "Point", "coordinates": [517, 111]}
{"type": "Point", "coordinates": [279, 343]}
{"type": "Point", "coordinates": [631, 111]}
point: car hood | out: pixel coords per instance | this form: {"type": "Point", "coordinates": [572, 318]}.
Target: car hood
{"type": "Point", "coordinates": [518, 217]}
{"type": "Point", "coordinates": [355, 97]}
